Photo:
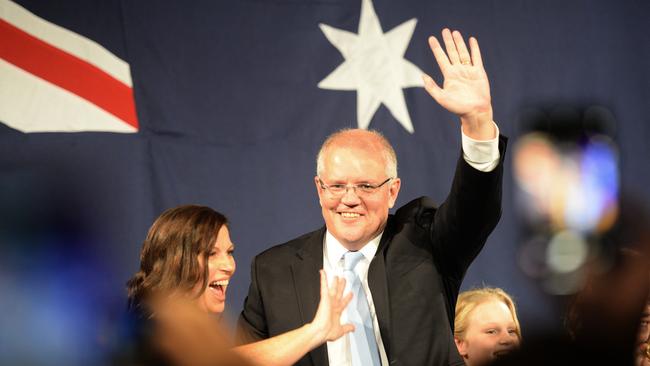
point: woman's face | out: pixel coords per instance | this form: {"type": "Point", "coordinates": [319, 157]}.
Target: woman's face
{"type": "Point", "coordinates": [491, 332]}
{"type": "Point", "coordinates": [221, 266]}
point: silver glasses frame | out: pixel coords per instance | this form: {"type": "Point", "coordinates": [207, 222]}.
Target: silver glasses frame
{"type": "Point", "coordinates": [360, 189]}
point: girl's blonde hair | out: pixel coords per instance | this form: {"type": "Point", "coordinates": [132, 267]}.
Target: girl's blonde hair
{"type": "Point", "coordinates": [469, 300]}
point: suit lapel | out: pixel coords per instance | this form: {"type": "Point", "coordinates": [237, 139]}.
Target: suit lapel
{"type": "Point", "coordinates": [309, 259]}
{"type": "Point", "coordinates": [305, 267]}
{"type": "Point", "coordinates": [377, 282]}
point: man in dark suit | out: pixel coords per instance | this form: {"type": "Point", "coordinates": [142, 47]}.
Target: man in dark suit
{"type": "Point", "coordinates": [413, 262]}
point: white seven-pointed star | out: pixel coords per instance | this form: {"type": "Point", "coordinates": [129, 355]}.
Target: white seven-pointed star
{"type": "Point", "coordinates": [374, 66]}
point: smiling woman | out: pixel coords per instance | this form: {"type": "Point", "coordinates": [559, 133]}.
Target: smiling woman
{"type": "Point", "coordinates": [188, 255]}
{"type": "Point", "coordinates": [173, 255]}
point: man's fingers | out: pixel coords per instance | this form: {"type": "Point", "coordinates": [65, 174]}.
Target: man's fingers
{"type": "Point", "coordinates": [463, 54]}
{"type": "Point", "coordinates": [432, 88]}
{"type": "Point", "coordinates": [439, 54]}
{"type": "Point", "coordinates": [452, 52]}
{"type": "Point", "coordinates": [476, 52]}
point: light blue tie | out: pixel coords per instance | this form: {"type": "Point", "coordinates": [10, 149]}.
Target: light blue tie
{"type": "Point", "coordinates": [363, 345]}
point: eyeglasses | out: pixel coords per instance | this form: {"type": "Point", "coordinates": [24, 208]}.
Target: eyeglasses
{"type": "Point", "coordinates": [361, 189]}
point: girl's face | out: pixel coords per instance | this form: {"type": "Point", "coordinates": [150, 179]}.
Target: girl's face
{"type": "Point", "coordinates": [221, 266]}
{"type": "Point", "coordinates": [491, 332]}
{"type": "Point", "coordinates": [643, 336]}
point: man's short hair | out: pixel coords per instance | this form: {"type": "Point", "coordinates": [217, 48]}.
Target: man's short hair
{"type": "Point", "coordinates": [387, 150]}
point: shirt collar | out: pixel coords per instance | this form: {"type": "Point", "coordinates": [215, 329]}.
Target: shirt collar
{"type": "Point", "coordinates": [334, 250]}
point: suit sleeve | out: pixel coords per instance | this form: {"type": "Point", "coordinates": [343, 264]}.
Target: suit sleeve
{"type": "Point", "coordinates": [251, 325]}
{"type": "Point", "coordinates": [462, 224]}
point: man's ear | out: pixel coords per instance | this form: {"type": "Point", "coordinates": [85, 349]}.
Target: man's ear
{"type": "Point", "coordinates": [393, 191]}
{"type": "Point", "coordinates": [319, 190]}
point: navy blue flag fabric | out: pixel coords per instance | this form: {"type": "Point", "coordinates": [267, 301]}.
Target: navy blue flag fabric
{"type": "Point", "coordinates": [233, 100]}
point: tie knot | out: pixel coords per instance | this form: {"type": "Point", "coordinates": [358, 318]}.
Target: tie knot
{"type": "Point", "coordinates": [350, 260]}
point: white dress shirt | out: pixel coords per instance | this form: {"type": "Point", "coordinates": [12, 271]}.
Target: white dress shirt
{"type": "Point", "coordinates": [338, 351]}
{"type": "Point", "coordinates": [483, 156]}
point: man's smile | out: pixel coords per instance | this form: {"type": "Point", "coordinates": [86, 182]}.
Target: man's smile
{"type": "Point", "coordinates": [350, 215]}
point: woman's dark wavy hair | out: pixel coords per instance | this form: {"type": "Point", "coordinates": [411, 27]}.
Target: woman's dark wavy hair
{"type": "Point", "coordinates": [169, 260]}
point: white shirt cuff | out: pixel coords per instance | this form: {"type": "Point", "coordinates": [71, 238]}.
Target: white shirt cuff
{"type": "Point", "coordinates": [482, 155]}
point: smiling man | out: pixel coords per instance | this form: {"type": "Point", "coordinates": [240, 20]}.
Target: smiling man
{"type": "Point", "coordinates": [405, 269]}
{"type": "Point", "coordinates": [357, 213]}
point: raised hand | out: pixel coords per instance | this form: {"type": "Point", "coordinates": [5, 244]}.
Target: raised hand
{"type": "Point", "coordinates": [466, 89]}
{"type": "Point", "coordinates": [332, 303]}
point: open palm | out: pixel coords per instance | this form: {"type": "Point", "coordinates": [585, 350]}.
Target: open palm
{"type": "Point", "coordinates": [331, 305]}
{"type": "Point", "coordinates": [466, 89]}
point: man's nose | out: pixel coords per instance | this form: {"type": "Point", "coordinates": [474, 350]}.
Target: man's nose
{"type": "Point", "coordinates": [350, 197]}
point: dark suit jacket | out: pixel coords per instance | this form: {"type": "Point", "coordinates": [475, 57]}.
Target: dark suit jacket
{"type": "Point", "coordinates": [414, 277]}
